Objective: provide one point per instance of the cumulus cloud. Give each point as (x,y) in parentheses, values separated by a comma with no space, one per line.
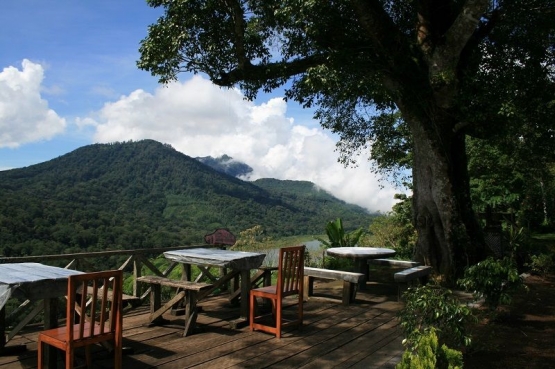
(24,115)
(200,119)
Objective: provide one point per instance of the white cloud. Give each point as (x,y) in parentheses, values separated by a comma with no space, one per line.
(200,119)
(24,115)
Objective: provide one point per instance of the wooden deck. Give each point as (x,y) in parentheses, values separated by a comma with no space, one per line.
(363,335)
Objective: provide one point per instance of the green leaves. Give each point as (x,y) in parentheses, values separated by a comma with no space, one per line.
(337,237)
(542,264)
(494,280)
(433,307)
(428,354)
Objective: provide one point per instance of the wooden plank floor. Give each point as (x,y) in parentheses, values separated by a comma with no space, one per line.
(363,335)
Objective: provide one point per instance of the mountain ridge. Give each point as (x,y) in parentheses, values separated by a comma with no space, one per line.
(146,194)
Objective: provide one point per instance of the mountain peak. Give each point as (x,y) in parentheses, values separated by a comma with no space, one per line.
(226,164)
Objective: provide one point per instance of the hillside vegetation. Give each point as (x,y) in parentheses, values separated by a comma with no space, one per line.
(146,194)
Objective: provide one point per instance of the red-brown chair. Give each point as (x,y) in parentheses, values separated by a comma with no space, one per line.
(289,283)
(94,315)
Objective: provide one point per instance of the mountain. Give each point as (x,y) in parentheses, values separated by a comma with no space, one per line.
(146,194)
(227,165)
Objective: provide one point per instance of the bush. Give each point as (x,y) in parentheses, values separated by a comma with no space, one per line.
(427,355)
(389,231)
(331,262)
(494,280)
(337,237)
(542,264)
(435,308)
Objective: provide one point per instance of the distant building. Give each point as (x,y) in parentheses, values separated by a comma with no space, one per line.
(220,236)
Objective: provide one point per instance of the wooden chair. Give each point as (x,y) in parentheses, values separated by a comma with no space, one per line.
(94,315)
(289,282)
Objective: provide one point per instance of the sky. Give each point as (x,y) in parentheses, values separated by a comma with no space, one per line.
(68,78)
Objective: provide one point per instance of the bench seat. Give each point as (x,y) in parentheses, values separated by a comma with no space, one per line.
(350,282)
(189,291)
(130,299)
(407,277)
(394,263)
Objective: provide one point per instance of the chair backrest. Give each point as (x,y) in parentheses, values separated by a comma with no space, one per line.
(290,270)
(94,305)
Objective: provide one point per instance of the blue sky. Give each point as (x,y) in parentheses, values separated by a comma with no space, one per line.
(68,78)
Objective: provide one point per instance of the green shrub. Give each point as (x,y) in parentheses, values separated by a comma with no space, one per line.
(433,307)
(494,280)
(542,264)
(395,229)
(337,237)
(428,355)
(331,262)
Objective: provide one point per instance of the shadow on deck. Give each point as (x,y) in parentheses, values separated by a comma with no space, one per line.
(363,335)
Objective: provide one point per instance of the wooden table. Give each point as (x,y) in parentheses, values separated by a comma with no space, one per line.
(360,256)
(240,264)
(32,281)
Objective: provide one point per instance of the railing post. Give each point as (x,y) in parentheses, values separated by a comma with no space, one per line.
(137,266)
(186,272)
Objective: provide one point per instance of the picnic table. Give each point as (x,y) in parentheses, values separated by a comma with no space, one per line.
(360,256)
(32,281)
(239,264)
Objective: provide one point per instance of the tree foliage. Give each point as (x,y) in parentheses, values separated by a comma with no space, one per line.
(410,79)
(394,230)
(509,176)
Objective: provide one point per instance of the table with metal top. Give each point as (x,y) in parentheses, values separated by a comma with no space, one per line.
(239,264)
(360,256)
(32,281)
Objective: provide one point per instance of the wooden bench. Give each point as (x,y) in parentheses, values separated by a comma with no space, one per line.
(350,282)
(407,277)
(186,290)
(126,299)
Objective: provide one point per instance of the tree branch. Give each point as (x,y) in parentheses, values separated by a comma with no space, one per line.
(263,72)
(423,27)
(237,14)
(464,26)
(380,30)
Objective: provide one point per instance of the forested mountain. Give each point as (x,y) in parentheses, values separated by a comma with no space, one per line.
(146,194)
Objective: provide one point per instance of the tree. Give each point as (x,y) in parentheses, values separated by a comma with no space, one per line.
(508,176)
(395,229)
(411,79)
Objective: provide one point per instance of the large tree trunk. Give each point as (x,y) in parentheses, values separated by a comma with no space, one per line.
(449,236)
(422,76)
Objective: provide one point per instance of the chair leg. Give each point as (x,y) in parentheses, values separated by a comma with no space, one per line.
(118,356)
(88,356)
(300,310)
(277,304)
(251,311)
(40,364)
(69,358)
(274,308)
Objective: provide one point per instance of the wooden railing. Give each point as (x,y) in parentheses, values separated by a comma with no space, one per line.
(135,260)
